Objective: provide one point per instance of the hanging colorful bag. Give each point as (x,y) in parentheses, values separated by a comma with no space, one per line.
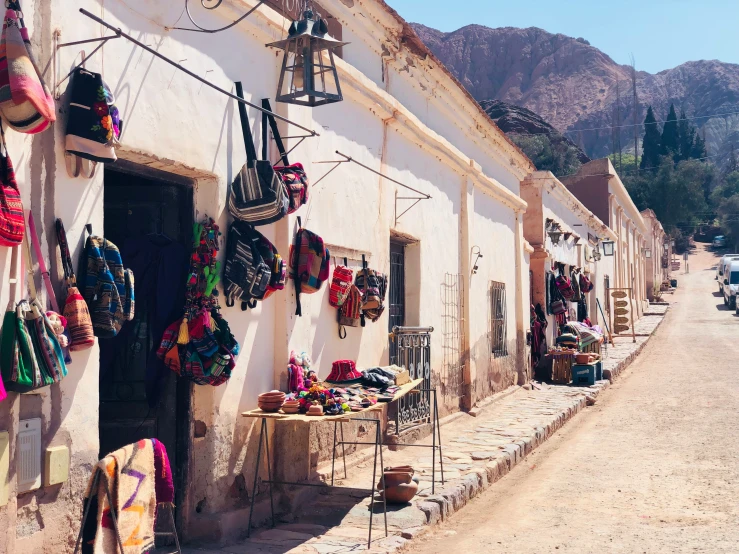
(309,264)
(25,102)
(558,307)
(350,313)
(585,284)
(292,176)
(12,224)
(565,287)
(341,282)
(257,195)
(93,124)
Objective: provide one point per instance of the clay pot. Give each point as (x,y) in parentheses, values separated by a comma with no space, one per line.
(582,358)
(291,407)
(271,401)
(401,494)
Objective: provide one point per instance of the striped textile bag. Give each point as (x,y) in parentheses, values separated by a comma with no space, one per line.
(25,102)
(12,222)
(79,324)
(309,264)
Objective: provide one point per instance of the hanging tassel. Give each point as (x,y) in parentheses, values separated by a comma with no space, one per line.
(184,335)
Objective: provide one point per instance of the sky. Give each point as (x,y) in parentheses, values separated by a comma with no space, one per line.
(661,34)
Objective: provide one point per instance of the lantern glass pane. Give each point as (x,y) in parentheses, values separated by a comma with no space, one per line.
(608,247)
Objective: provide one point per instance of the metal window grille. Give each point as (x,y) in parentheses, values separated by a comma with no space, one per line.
(396,301)
(413,347)
(452,381)
(498,310)
(607,283)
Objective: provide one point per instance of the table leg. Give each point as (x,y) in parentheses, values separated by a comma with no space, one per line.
(256,475)
(269,472)
(333,454)
(382,470)
(433,447)
(374,489)
(343,447)
(438,431)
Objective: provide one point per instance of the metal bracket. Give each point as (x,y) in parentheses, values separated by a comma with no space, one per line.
(337,163)
(199,29)
(120,34)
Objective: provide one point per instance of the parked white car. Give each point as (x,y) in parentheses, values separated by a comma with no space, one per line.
(731,284)
(723,262)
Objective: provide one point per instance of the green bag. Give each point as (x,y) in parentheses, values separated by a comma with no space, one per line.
(30,354)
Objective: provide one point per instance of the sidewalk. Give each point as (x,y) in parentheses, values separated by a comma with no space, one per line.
(478,450)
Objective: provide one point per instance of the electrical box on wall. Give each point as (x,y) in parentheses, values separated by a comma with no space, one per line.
(56,465)
(29,455)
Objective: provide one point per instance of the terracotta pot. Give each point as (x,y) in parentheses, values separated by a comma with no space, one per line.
(582,358)
(393,478)
(401,494)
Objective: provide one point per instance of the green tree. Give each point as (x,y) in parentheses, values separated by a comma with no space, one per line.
(728,210)
(686,138)
(652,140)
(670,143)
(699,148)
(676,192)
(560,157)
(728,187)
(733,164)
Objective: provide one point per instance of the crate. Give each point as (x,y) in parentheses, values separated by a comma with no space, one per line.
(583,375)
(561,367)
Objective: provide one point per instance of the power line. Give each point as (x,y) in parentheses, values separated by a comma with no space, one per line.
(655,123)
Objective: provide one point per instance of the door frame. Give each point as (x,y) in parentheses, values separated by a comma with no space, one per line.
(184,388)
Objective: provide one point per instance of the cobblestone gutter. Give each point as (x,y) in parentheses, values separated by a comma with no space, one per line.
(478,451)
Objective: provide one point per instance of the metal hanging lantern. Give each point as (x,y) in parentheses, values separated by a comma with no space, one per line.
(308,76)
(608,247)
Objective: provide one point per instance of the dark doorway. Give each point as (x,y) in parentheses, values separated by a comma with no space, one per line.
(142,206)
(396,300)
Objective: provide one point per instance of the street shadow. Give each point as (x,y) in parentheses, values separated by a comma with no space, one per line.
(722,307)
(717,294)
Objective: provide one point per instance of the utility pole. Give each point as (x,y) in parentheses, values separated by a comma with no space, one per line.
(636,114)
(618,126)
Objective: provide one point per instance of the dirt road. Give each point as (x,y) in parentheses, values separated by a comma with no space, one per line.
(652,467)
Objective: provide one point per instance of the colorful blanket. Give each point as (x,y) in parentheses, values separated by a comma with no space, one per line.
(128,475)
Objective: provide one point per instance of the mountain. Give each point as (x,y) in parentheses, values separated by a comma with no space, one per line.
(516,120)
(572,84)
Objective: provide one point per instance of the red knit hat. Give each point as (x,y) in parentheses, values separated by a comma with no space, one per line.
(343,371)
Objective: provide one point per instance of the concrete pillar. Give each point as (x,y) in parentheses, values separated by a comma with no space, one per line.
(465,231)
(522,317)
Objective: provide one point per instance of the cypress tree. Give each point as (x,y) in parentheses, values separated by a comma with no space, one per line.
(651,143)
(698,152)
(670,143)
(686,138)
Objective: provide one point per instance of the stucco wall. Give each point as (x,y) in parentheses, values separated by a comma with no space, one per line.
(187,128)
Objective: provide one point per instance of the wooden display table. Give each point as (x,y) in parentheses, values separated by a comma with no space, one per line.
(339,420)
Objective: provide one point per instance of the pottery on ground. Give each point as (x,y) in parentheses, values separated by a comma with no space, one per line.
(401,494)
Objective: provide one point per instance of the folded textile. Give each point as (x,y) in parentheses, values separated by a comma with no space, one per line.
(127,475)
(163,484)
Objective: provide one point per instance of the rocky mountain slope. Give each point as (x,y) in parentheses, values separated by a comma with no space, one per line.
(572,84)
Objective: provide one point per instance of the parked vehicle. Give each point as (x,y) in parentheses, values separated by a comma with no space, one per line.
(721,267)
(719,241)
(731,284)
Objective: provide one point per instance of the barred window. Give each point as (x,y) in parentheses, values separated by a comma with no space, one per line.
(498,319)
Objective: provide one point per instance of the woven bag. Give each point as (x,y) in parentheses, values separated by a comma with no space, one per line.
(12,223)
(79,324)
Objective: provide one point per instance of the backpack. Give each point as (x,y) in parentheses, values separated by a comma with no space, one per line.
(341,283)
(565,287)
(585,284)
(246,275)
(373,286)
(309,264)
(350,312)
(273,259)
(108,287)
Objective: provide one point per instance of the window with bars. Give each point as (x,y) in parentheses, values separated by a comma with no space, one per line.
(498,319)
